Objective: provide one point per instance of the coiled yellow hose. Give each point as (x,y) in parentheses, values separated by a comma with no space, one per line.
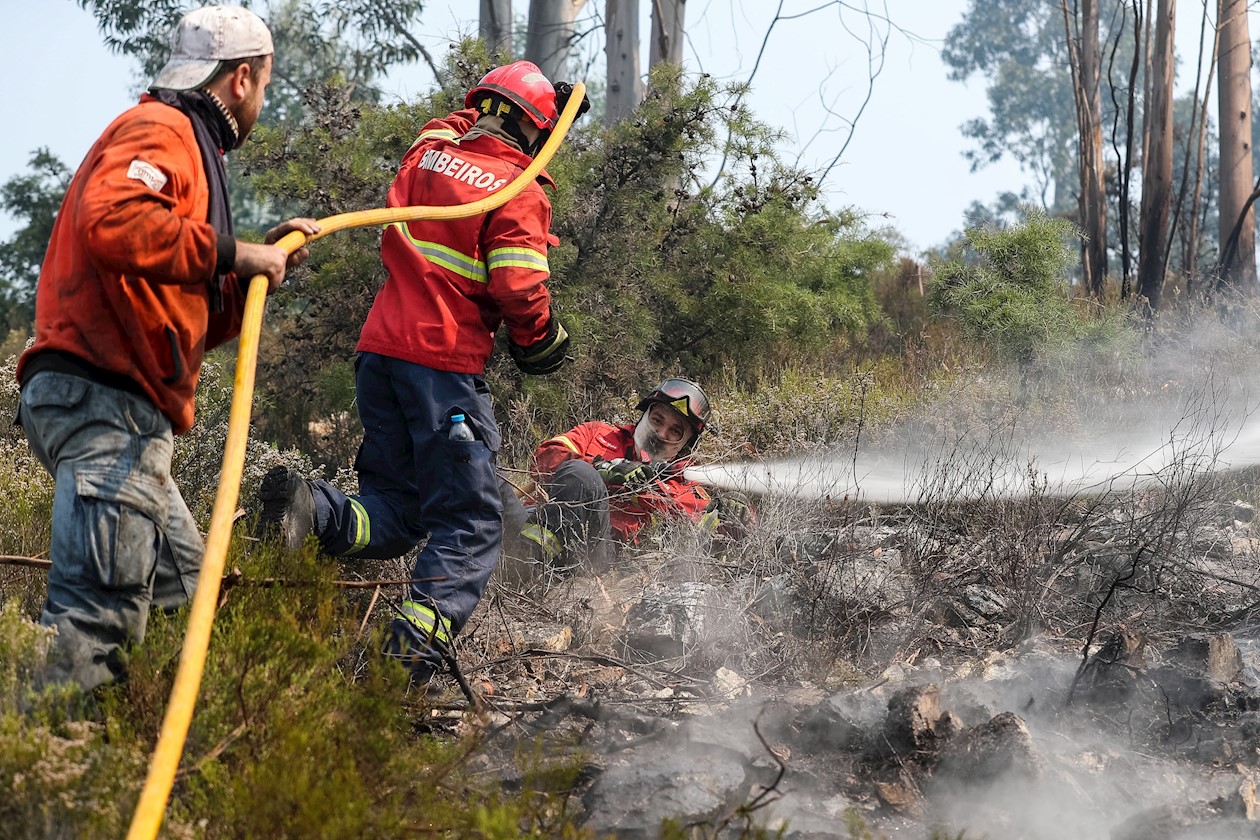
(179,710)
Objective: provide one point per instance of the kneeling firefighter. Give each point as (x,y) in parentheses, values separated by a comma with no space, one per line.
(602,484)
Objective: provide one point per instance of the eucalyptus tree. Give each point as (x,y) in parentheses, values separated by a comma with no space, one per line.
(550,34)
(1237,215)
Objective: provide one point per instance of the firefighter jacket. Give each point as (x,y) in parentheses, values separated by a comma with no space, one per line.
(452,283)
(670,495)
(125,282)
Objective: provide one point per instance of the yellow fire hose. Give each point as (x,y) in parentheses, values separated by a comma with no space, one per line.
(179,710)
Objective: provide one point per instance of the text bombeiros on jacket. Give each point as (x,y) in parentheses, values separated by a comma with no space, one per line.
(460,170)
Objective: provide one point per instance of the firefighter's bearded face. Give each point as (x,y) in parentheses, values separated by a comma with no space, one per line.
(662,432)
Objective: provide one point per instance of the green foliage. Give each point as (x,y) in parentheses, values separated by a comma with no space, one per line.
(1010,291)
(301,731)
(677,270)
(32,198)
(316,41)
(804,408)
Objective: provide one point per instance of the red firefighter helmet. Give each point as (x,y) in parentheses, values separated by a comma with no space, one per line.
(685,397)
(520,84)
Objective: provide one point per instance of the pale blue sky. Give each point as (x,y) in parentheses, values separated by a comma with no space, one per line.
(904,162)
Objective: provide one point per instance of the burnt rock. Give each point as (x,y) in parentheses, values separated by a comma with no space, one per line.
(1217,820)
(670,619)
(678,780)
(901,794)
(776,600)
(1187,691)
(1000,749)
(1111,673)
(841,722)
(1213,655)
(975,605)
(800,816)
(915,722)
(1241,513)
(1243,802)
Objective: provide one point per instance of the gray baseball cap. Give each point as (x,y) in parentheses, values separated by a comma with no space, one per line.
(207,37)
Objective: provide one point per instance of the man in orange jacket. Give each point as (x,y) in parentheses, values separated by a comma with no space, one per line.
(143,274)
(604,483)
(430,440)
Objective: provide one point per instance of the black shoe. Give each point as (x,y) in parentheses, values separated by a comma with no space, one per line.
(421,662)
(288,507)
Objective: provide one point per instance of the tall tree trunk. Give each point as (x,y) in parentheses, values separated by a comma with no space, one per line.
(667,32)
(1085,59)
(1126,170)
(551,34)
(1198,124)
(496,25)
(625,89)
(1238,220)
(1157,172)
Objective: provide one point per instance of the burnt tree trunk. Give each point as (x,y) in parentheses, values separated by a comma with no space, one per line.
(1085,59)
(1157,172)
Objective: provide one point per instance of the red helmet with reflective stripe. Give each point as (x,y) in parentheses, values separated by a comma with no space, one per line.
(685,397)
(522,84)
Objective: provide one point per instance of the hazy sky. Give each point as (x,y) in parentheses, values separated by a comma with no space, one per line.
(903,165)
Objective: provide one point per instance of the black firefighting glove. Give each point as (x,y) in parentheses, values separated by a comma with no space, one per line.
(623,474)
(563,91)
(545,355)
(729,515)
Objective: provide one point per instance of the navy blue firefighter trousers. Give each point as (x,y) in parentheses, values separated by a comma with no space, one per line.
(413,480)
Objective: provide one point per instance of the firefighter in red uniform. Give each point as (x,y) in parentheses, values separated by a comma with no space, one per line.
(604,483)
(427,461)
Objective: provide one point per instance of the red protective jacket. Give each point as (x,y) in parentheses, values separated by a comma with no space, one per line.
(670,495)
(451,283)
(124,285)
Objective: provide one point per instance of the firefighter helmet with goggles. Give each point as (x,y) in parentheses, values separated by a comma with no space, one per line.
(685,397)
(520,86)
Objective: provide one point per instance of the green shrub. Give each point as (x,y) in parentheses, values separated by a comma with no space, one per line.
(1010,292)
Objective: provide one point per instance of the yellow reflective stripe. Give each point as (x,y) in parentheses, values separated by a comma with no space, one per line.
(448,258)
(362,528)
(565,440)
(561,335)
(709,520)
(435,134)
(517,258)
(546,540)
(425,618)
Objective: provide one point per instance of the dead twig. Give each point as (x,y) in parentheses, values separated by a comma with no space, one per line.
(234,578)
(33,562)
(598,659)
(214,753)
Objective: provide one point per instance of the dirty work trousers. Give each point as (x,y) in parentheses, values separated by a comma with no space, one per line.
(414,480)
(122,538)
(571,527)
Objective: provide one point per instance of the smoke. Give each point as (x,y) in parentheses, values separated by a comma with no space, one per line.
(1205,430)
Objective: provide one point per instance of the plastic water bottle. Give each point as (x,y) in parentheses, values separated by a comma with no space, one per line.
(460,430)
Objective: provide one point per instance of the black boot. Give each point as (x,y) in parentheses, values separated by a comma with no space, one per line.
(287,507)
